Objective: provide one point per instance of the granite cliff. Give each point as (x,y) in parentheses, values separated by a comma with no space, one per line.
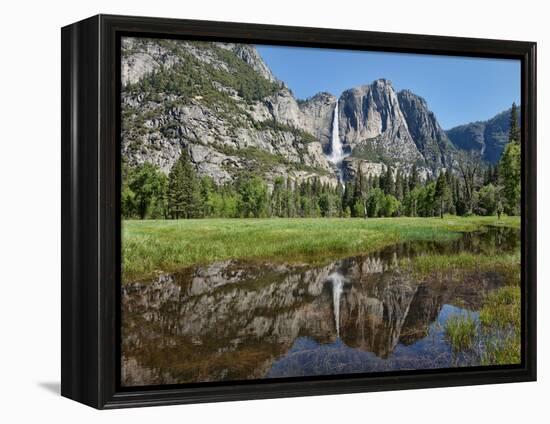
(222,103)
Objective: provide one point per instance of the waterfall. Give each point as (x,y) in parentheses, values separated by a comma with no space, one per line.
(337,289)
(337,152)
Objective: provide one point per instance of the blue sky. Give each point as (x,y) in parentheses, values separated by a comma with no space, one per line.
(458,89)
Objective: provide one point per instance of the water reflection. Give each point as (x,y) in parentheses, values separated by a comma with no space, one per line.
(232,320)
(337,280)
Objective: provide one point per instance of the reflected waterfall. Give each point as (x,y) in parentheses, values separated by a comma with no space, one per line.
(337,280)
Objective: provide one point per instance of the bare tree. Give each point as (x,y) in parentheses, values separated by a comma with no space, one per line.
(468,164)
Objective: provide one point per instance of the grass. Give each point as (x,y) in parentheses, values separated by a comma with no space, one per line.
(502,308)
(504,351)
(460,330)
(494,339)
(500,318)
(506,263)
(151,246)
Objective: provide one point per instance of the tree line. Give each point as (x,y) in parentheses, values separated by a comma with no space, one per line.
(472,188)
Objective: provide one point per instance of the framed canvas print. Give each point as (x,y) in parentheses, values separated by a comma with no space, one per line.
(253,211)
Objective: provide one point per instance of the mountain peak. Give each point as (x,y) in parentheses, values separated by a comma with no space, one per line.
(374,127)
(322,96)
(412,97)
(382,82)
(250,55)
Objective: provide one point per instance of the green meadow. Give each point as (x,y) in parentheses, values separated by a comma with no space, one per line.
(154,246)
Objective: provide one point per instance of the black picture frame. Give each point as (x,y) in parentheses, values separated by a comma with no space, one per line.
(91,215)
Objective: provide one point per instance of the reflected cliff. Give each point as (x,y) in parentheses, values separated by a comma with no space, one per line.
(234,320)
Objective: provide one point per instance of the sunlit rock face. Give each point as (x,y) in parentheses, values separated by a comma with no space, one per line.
(371,111)
(381,125)
(234,320)
(428,136)
(318,112)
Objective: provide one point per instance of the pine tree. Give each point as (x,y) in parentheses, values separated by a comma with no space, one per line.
(406,190)
(184,191)
(175,191)
(338,197)
(376,182)
(510,167)
(495,178)
(316,187)
(347,200)
(451,195)
(389,187)
(277,198)
(191,189)
(357,198)
(413,179)
(382,182)
(399,186)
(514,134)
(441,192)
(207,187)
(289,199)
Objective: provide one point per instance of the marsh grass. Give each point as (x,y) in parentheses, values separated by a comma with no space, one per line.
(460,331)
(506,263)
(505,351)
(502,308)
(154,246)
(494,338)
(500,320)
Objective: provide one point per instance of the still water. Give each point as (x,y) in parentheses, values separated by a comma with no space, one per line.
(236,320)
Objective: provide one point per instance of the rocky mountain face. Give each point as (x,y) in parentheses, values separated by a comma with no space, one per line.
(486,137)
(428,136)
(317,116)
(222,103)
(373,125)
(383,127)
